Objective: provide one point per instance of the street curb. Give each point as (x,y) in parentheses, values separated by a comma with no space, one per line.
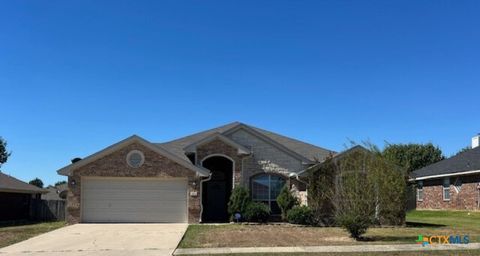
(343,248)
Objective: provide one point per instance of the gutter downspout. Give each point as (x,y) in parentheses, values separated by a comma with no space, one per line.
(201,194)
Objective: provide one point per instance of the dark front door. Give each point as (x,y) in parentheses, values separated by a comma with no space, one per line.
(216,191)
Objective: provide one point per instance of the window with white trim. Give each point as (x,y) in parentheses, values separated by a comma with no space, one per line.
(420,191)
(446,189)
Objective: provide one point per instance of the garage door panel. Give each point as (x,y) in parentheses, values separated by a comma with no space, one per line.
(135,205)
(112,195)
(134,200)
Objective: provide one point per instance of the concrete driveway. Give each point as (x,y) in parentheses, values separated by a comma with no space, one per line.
(102,239)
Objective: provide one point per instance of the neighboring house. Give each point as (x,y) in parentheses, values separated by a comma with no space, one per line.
(188,179)
(16,198)
(453,183)
(58,192)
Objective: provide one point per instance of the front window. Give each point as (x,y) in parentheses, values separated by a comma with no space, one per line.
(420,191)
(446,189)
(266,188)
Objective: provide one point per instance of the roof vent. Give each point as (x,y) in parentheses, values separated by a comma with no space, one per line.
(476,141)
(76,159)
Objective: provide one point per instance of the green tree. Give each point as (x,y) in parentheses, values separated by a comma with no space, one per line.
(239,201)
(465,149)
(412,156)
(36,182)
(60,183)
(286,201)
(4,154)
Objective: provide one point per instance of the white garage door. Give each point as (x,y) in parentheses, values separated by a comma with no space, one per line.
(134,200)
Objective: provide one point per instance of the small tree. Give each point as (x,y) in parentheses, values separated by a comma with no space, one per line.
(239,201)
(286,201)
(4,154)
(355,196)
(464,149)
(357,188)
(58,183)
(36,182)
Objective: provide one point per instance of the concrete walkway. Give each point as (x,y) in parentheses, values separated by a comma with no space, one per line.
(342,248)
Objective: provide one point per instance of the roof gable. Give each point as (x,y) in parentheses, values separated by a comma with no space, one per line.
(67,170)
(241,149)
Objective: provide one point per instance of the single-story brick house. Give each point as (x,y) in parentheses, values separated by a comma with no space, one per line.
(453,183)
(188,179)
(16,198)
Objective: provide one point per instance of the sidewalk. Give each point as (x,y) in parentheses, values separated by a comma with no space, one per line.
(343,248)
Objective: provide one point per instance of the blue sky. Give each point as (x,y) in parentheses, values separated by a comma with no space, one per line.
(77,76)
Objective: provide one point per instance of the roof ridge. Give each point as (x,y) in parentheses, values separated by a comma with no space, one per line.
(201,132)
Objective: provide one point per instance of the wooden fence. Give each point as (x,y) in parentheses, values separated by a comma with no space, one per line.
(411,197)
(47,210)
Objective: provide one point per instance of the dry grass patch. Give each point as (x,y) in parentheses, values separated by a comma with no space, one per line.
(419,223)
(233,235)
(14,234)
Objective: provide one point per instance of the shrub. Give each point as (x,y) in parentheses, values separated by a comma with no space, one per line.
(286,201)
(257,212)
(300,215)
(356,225)
(239,201)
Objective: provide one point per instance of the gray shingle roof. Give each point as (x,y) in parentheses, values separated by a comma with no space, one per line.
(466,161)
(11,184)
(306,150)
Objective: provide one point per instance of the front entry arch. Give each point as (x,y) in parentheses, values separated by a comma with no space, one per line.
(216,192)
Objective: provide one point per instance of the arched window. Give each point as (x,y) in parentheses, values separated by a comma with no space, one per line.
(265,188)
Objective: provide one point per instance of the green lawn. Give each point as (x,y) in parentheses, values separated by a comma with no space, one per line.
(14,234)
(418,223)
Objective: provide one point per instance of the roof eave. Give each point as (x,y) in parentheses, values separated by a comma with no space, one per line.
(23,191)
(444,175)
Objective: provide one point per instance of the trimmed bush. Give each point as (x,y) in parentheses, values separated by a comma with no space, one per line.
(257,212)
(300,215)
(239,200)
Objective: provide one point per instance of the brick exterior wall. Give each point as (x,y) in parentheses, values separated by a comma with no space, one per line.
(115,165)
(217,146)
(466,199)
